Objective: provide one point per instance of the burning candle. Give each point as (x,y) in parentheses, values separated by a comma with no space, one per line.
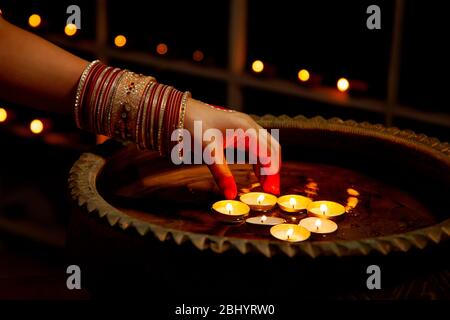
(230,210)
(326,209)
(259,201)
(293,203)
(290,232)
(264,221)
(318,225)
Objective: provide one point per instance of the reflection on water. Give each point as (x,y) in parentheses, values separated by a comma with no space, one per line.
(311,188)
(352,200)
(352,192)
(249,189)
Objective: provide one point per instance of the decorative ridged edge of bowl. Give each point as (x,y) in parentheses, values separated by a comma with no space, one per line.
(82,185)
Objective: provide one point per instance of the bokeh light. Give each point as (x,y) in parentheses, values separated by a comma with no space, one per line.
(303,75)
(162,48)
(257,66)
(34,20)
(343,85)
(36,126)
(120,41)
(198,55)
(3,115)
(70,29)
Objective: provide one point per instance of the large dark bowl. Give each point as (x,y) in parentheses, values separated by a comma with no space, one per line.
(146,223)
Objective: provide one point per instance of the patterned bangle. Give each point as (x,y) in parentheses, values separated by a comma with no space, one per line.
(120,103)
(81,83)
(183,107)
(108,127)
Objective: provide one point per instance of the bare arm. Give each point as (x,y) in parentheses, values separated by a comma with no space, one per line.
(36,73)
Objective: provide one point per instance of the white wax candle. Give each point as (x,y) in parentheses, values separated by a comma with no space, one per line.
(259,201)
(293,203)
(326,209)
(265,221)
(290,232)
(319,225)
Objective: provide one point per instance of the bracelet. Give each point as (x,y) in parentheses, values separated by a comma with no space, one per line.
(122,104)
(79,90)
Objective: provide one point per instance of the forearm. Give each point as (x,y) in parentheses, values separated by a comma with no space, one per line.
(36,73)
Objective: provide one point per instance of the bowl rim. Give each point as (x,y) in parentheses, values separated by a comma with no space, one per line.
(83,176)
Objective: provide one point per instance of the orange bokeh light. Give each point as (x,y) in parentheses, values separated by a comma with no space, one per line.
(198,55)
(303,75)
(34,20)
(120,40)
(70,29)
(162,48)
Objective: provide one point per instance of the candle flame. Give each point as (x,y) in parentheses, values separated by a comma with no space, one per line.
(260,199)
(263,218)
(229,208)
(323,209)
(289,233)
(318,224)
(292,202)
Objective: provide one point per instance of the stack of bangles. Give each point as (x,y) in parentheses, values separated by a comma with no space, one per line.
(122,104)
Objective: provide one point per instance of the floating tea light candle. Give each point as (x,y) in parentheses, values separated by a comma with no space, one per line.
(318,225)
(326,209)
(290,232)
(259,201)
(230,210)
(264,221)
(293,203)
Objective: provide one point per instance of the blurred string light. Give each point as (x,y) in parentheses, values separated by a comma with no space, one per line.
(120,40)
(343,85)
(198,55)
(162,49)
(34,20)
(257,66)
(36,126)
(70,29)
(3,115)
(303,75)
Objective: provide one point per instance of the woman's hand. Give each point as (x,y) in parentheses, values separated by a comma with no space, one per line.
(267,151)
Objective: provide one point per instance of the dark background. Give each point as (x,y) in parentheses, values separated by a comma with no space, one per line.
(328,38)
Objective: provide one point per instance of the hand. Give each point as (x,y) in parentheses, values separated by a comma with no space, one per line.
(268,151)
